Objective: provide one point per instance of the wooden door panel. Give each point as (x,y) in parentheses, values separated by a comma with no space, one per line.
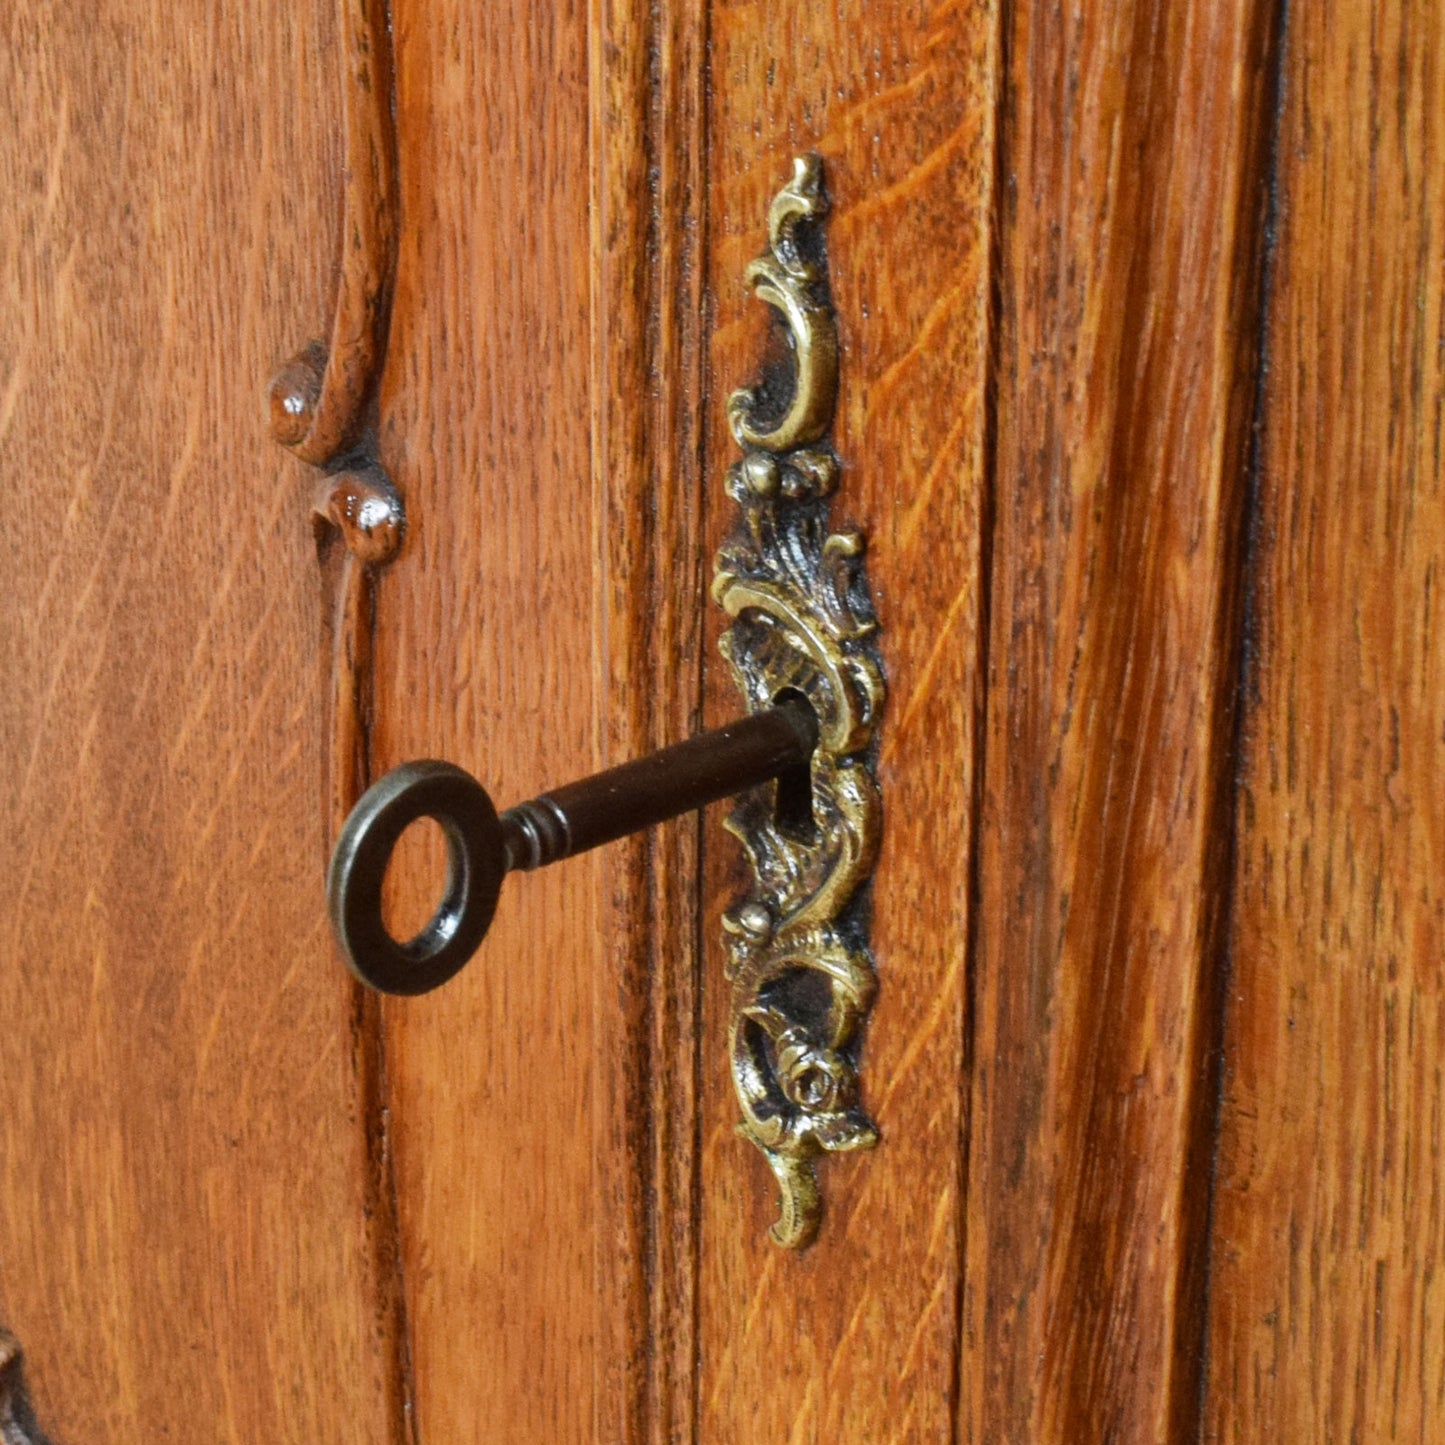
(486,655)
(1325,1318)
(186,1195)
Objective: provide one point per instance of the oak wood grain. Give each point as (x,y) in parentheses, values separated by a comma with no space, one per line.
(185,1248)
(485,655)
(649,233)
(856,1338)
(539,412)
(1132,142)
(223,1170)
(1327,1321)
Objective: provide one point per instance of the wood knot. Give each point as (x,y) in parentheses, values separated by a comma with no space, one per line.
(362,504)
(294,393)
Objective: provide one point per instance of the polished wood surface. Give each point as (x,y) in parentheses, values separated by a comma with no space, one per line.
(1326,1319)
(186,1188)
(484,655)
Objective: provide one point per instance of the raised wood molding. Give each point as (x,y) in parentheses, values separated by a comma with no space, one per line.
(1133,141)
(648,410)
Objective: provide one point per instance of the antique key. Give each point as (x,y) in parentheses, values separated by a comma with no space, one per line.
(483,848)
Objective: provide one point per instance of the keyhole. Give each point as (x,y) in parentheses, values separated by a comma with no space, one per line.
(793,791)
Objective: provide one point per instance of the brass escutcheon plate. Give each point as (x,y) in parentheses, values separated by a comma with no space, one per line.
(801,972)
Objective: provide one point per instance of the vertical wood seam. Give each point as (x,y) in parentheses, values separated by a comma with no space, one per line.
(383,1194)
(340,409)
(701,200)
(674,142)
(651,916)
(347,777)
(1204,1065)
(988,490)
(644,112)
(383,1208)
(1276,50)
(597,370)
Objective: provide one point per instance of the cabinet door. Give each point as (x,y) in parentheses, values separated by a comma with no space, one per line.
(1139,314)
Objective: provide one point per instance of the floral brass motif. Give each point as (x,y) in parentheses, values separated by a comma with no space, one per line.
(803,622)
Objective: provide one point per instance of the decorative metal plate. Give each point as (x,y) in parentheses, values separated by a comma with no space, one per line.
(17,1422)
(803,623)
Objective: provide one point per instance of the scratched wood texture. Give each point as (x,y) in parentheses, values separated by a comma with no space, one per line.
(1132,139)
(1327,1321)
(856,1339)
(185,1188)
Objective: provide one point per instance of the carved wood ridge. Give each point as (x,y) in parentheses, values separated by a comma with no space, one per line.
(320,400)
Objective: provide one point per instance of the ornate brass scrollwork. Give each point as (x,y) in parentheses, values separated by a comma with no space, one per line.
(803,624)
(17,1420)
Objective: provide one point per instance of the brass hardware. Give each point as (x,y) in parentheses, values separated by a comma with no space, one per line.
(789,278)
(17,1420)
(803,624)
(775,743)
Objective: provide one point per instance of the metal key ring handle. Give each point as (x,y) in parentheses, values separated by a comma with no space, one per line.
(482,848)
(477,862)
